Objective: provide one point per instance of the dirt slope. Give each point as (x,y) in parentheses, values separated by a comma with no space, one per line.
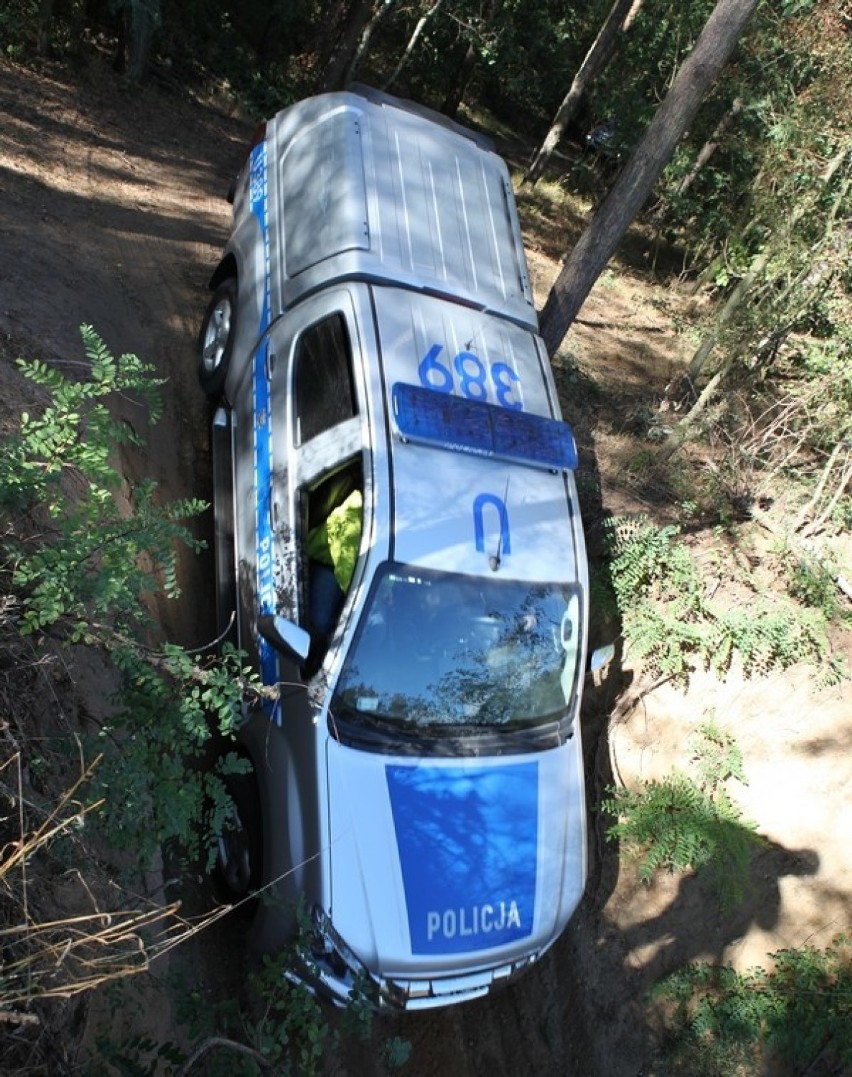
(112,213)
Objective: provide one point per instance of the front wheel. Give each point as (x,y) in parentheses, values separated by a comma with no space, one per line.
(216,339)
(238,862)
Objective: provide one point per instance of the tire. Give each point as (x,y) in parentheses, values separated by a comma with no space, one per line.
(238,868)
(216,339)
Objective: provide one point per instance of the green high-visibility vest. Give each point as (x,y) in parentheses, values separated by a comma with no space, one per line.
(336,541)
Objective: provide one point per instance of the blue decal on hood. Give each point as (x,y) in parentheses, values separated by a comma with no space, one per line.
(468,843)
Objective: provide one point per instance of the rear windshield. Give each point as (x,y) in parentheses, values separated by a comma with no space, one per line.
(443,652)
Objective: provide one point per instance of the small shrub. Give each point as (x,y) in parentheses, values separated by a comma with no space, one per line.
(671,624)
(77,557)
(682,822)
(77,565)
(277,1027)
(812,583)
(767,636)
(724,1022)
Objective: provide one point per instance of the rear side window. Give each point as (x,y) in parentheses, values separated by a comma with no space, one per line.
(323,384)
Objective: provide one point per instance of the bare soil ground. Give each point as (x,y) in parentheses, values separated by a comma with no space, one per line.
(112,213)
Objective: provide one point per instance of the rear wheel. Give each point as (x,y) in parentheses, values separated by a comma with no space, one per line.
(239,846)
(216,339)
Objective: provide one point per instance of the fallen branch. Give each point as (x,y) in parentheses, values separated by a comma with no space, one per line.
(216,1042)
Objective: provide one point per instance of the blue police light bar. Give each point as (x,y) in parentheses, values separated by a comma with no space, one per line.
(430,417)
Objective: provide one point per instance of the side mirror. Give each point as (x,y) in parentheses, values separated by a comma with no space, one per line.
(284,636)
(601,657)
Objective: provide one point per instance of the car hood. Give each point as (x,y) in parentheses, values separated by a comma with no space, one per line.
(444,865)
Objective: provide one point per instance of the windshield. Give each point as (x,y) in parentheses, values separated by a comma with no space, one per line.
(439,650)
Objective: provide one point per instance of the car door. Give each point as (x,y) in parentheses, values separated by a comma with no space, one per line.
(319,449)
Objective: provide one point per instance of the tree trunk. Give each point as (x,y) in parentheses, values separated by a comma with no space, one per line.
(732,305)
(455,95)
(143,23)
(412,41)
(463,76)
(364,43)
(630,191)
(711,145)
(45,16)
(355,20)
(596,59)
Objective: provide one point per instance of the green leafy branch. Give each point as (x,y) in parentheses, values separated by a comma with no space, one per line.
(78,562)
(82,555)
(670,622)
(279,1027)
(725,1022)
(684,822)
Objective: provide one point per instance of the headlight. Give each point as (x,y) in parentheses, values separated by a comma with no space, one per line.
(328,946)
(332,960)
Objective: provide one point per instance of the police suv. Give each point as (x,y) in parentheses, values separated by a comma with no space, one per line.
(417,781)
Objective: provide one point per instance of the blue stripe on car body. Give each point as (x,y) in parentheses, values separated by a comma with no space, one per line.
(261,400)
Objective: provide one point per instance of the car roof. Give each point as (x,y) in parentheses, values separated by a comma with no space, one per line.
(371,189)
(480,470)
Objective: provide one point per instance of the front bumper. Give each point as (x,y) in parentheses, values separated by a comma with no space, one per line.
(331,970)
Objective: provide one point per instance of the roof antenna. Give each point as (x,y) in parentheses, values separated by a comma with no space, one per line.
(495,560)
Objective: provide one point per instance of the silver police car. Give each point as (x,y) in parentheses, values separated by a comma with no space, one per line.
(400,552)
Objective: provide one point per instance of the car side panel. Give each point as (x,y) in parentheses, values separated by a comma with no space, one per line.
(248,248)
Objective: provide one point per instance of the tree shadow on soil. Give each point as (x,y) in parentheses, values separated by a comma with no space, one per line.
(695,926)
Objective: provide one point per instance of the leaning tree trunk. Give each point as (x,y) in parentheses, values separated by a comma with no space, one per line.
(631,189)
(711,145)
(759,263)
(813,279)
(596,59)
(355,19)
(704,155)
(364,43)
(412,41)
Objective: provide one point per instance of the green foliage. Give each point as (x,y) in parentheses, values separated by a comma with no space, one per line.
(291,1031)
(85,555)
(80,554)
(723,1022)
(769,635)
(155,786)
(716,756)
(276,1026)
(291,1028)
(683,822)
(648,559)
(14,24)
(137,1056)
(671,624)
(658,591)
(775,230)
